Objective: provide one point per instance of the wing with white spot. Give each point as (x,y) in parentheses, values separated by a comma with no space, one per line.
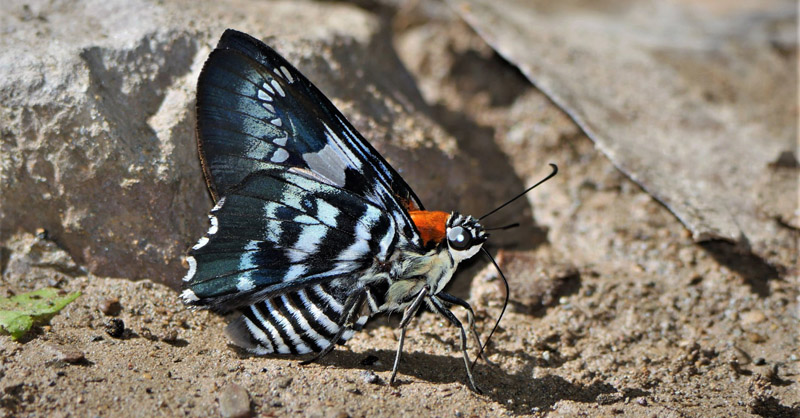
(280,231)
(254,109)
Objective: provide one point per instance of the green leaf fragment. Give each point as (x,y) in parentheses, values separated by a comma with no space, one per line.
(19,313)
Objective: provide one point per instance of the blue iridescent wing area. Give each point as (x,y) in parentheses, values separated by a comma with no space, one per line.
(282,230)
(255,109)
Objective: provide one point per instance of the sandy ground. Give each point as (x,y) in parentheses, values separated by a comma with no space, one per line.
(614,311)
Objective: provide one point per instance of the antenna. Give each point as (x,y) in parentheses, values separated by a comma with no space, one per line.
(502,276)
(555,170)
(502,228)
(505,303)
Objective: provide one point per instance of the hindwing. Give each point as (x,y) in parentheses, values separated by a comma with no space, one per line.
(298,322)
(281,230)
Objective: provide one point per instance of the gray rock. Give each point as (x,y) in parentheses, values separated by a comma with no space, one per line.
(36,262)
(696,104)
(283,382)
(66,353)
(87,151)
(234,402)
(368,376)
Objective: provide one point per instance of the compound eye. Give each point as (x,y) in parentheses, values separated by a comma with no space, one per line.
(459,238)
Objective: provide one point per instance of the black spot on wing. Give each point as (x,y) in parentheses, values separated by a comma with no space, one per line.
(378,231)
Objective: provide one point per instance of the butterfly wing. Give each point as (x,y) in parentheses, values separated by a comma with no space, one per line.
(254,109)
(305,206)
(281,230)
(286,250)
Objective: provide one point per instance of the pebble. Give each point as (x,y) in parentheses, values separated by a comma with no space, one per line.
(283,382)
(169,336)
(110,307)
(41,233)
(741,356)
(147,334)
(370,377)
(234,402)
(753,317)
(115,328)
(755,338)
(66,353)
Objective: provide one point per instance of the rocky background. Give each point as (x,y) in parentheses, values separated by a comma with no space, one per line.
(656,275)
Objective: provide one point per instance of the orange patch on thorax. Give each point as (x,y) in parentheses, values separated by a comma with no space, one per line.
(432,225)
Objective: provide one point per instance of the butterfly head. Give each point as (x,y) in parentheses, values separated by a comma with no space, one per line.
(464,236)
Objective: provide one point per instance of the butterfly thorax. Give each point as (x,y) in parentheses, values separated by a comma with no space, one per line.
(448,239)
(432,226)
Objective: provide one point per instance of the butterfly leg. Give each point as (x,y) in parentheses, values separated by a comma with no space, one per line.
(437,303)
(352,306)
(407,316)
(470,318)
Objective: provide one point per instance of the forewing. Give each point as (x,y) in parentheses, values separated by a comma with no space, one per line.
(254,109)
(279,231)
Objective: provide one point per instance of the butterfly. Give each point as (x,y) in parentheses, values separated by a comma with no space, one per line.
(313,231)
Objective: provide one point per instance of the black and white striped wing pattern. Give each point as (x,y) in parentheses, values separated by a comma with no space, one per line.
(304,205)
(286,250)
(298,322)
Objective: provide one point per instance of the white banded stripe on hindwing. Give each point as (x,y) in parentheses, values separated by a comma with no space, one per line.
(298,322)
(255,328)
(300,316)
(289,330)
